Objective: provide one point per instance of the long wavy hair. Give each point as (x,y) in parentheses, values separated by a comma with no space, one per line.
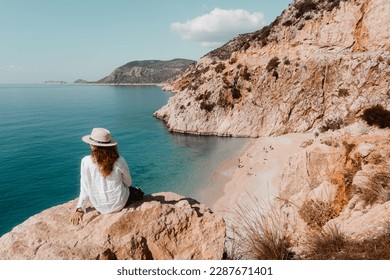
(105,157)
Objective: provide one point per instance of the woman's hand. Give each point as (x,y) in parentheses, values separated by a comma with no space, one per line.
(77,217)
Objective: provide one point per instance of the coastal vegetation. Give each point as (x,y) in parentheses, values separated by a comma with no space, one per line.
(261,233)
(333,245)
(257,233)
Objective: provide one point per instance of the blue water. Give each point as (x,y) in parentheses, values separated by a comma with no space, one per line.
(40,148)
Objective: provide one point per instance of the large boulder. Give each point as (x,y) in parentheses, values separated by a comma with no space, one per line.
(162,226)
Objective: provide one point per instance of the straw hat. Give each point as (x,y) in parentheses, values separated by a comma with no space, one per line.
(99,137)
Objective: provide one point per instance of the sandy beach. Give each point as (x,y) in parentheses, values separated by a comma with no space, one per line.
(252,173)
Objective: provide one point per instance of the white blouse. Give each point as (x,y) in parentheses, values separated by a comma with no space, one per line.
(107,194)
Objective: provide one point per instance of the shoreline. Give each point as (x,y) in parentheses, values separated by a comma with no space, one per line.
(223,173)
(252,174)
(122,84)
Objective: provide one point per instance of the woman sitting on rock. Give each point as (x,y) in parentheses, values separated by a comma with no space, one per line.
(105,176)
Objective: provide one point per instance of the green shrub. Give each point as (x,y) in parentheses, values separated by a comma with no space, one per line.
(287,23)
(223,101)
(233,60)
(378,116)
(305,7)
(273,64)
(207,106)
(343,92)
(245,74)
(220,67)
(236,94)
(262,35)
(331,4)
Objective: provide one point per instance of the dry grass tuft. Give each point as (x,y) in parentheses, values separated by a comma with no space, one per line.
(377,189)
(259,234)
(326,244)
(333,245)
(316,213)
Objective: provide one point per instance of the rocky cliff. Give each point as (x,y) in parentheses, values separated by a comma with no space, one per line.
(319,63)
(161,226)
(339,185)
(147,72)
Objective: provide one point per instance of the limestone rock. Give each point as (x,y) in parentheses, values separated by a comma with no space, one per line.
(162,226)
(319,64)
(342,180)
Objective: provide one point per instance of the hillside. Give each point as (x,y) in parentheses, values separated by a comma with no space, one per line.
(319,65)
(146,72)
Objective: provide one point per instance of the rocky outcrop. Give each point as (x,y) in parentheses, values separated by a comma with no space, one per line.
(162,226)
(146,72)
(341,181)
(318,63)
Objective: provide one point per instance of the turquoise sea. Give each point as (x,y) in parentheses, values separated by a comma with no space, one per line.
(40,148)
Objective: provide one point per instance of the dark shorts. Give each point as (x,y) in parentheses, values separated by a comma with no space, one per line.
(135,194)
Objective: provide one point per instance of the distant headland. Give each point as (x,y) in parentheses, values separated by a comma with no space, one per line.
(144,72)
(55,82)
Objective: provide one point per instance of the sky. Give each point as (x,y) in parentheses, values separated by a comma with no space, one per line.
(66,40)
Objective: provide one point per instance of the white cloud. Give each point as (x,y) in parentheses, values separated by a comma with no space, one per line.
(218,26)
